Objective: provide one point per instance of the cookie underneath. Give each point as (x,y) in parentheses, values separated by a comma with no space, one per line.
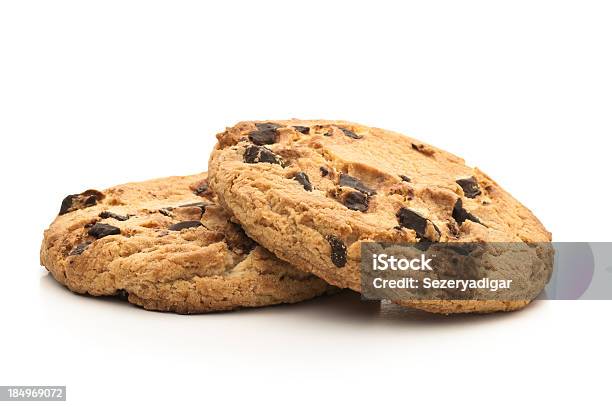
(166,245)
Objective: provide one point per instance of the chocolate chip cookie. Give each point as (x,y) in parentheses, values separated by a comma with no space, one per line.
(312,191)
(166,245)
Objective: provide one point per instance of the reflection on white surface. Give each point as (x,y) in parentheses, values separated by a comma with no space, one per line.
(325,346)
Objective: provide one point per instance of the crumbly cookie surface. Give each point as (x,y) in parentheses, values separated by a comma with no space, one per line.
(312,191)
(166,245)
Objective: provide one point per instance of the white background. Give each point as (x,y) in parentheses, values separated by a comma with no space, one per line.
(94,94)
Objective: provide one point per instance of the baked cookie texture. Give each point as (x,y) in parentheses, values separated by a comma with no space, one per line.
(312,191)
(166,245)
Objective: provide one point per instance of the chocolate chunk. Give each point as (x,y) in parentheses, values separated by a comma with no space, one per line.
(350,133)
(78,249)
(338,251)
(80,201)
(265,134)
(348,181)
(267,126)
(66,204)
(262,137)
(185,225)
(302,129)
(470,187)
(122,294)
(412,220)
(107,214)
(91,200)
(302,178)
(405,178)
(356,201)
(201,189)
(461,215)
(257,154)
(100,230)
(165,211)
(324,171)
(327,134)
